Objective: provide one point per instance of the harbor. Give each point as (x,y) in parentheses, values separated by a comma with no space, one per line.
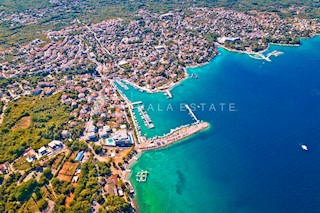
(122,85)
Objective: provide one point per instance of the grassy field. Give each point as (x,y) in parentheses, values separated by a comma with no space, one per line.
(23,123)
(22,164)
(31,121)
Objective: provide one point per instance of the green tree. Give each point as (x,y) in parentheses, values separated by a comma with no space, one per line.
(24,191)
(42,204)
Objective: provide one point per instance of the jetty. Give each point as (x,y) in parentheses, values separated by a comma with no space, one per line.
(175,135)
(142,176)
(168,93)
(192,114)
(260,56)
(136,103)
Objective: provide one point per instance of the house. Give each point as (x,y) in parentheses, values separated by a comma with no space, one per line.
(78,172)
(115,178)
(122,138)
(47,91)
(30,157)
(100,123)
(65,134)
(120,192)
(92,128)
(42,151)
(30,154)
(74,104)
(45,84)
(104,132)
(75,179)
(4,169)
(55,145)
(65,99)
(111,188)
(36,91)
(223,40)
(91,136)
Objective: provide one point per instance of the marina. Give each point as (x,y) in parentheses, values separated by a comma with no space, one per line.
(122,85)
(145,117)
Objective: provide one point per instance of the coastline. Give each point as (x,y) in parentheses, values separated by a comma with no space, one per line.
(267,48)
(141,151)
(171,85)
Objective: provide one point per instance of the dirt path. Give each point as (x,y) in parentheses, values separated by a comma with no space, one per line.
(2,114)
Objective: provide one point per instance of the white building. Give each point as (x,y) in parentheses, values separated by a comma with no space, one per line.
(55,145)
(122,138)
(104,132)
(42,152)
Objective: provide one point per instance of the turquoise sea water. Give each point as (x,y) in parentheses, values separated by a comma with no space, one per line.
(250,160)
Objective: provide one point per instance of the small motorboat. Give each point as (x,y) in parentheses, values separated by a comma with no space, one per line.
(304,147)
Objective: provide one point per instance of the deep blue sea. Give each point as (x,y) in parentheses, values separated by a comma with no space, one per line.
(250,160)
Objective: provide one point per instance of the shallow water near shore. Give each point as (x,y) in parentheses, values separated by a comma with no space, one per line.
(250,160)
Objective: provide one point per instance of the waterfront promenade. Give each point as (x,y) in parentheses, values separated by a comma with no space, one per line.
(172,137)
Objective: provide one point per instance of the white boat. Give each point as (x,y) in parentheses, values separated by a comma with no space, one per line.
(304,147)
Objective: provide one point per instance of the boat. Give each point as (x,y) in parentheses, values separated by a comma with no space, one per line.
(304,147)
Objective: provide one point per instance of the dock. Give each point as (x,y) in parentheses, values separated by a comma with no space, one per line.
(136,103)
(168,93)
(195,76)
(145,117)
(142,176)
(122,85)
(192,114)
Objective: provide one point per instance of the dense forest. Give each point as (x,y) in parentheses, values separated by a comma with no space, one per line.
(31,121)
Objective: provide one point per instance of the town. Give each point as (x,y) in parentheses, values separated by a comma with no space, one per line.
(77,133)
(154,50)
